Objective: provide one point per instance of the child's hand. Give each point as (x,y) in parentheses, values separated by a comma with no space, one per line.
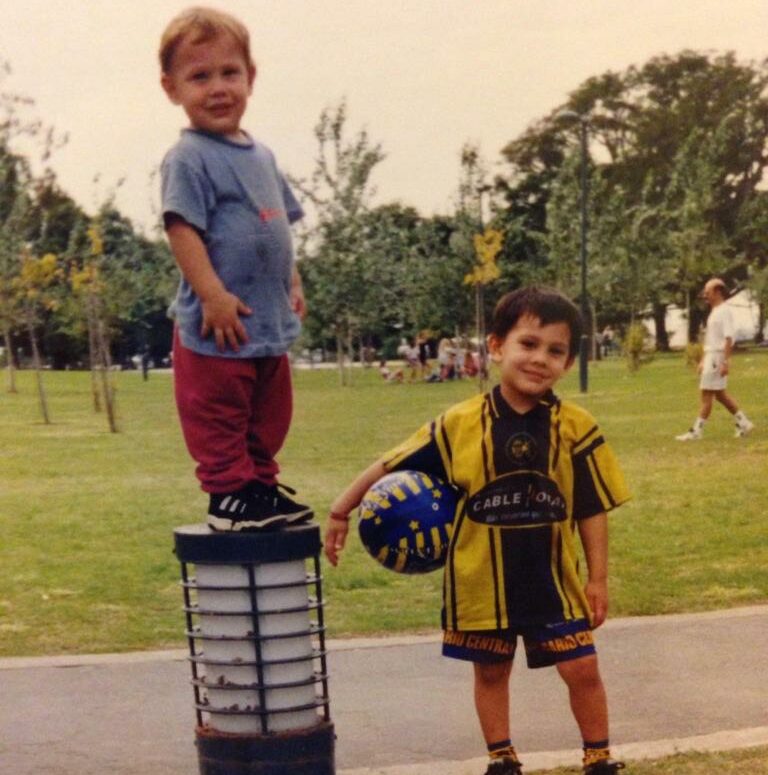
(298,302)
(597,597)
(338,519)
(335,536)
(296,296)
(221,315)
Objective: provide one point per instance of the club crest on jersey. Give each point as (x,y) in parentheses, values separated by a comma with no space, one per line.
(521,449)
(524,499)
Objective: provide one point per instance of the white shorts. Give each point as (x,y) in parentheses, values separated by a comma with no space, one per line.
(711,379)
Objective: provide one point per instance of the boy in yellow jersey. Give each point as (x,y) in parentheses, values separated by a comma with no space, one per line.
(534,472)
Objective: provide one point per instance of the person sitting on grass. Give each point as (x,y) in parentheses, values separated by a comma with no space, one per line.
(388,374)
(534,472)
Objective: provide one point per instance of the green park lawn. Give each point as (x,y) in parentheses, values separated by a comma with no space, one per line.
(751,760)
(87,517)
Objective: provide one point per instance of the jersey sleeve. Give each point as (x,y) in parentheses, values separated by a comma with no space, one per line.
(424,451)
(598,482)
(186,192)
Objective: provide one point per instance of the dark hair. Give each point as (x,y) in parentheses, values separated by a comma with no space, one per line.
(546,304)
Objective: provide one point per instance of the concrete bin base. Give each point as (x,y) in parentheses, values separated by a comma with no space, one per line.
(301,752)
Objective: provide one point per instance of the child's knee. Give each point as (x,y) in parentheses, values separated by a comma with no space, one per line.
(581,672)
(491,673)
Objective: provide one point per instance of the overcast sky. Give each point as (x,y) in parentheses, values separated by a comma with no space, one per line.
(422,76)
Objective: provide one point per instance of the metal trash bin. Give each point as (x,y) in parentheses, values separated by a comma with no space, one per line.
(254,613)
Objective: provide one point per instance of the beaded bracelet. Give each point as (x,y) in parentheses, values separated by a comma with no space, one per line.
(339,517)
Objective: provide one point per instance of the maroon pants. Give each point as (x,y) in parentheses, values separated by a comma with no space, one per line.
(235,414)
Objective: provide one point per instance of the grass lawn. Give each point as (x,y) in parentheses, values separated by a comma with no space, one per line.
(87,516)
(751,760)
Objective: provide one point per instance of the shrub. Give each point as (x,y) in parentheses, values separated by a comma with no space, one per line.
(637,346)
(693,354)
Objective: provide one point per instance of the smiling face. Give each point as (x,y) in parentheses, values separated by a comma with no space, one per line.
(531,359)
(211,80)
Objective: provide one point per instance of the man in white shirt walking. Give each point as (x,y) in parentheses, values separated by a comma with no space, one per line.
(714,366)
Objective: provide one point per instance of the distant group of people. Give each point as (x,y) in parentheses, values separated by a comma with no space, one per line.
(455,360)
(606,342)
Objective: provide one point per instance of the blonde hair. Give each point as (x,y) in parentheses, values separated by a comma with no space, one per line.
(201,25)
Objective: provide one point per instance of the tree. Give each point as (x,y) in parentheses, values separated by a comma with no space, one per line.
(752,229)
(487,246)
(38,218)
(118,282)
(434,295)
(13,205)
(142,278)
(388,249)
(534,161)
(562,237)
(90,289)
(334,262)
(680,144)
(697,240)
(480,245)
(33,291)
(15,184)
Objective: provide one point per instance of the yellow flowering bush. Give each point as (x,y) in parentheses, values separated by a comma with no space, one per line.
(487,247)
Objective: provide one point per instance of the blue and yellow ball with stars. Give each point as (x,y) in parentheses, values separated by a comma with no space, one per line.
(406,521)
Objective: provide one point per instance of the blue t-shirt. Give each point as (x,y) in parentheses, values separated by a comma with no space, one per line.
(242,206)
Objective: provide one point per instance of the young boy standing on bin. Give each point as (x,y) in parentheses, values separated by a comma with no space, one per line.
(533,471)
(227,212)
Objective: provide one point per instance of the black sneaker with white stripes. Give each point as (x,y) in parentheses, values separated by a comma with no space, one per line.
(604,767)
(256,507)
(504,765)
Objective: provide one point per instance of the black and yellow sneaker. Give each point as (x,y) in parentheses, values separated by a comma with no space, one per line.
(256,507)
(603,767)
(504,765)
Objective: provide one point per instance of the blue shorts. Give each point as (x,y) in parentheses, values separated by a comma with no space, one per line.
(545,644)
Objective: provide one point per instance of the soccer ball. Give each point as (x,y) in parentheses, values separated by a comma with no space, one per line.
(406,521)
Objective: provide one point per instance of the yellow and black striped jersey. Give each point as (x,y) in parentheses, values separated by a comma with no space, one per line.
(525,480)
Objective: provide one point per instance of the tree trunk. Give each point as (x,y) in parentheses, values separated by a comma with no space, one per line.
(38,364)
(591,339)
(695,319)
(108,390)
(760,323)
(11,367)
(340,358)
(93,358)
(660,321)
(350,355)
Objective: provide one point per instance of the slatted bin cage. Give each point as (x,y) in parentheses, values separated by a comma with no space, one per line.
(254,614)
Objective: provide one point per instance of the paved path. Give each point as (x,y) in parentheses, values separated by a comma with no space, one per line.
(674,682)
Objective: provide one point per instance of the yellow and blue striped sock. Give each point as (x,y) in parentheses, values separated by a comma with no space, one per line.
(596,751)
(502,748)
